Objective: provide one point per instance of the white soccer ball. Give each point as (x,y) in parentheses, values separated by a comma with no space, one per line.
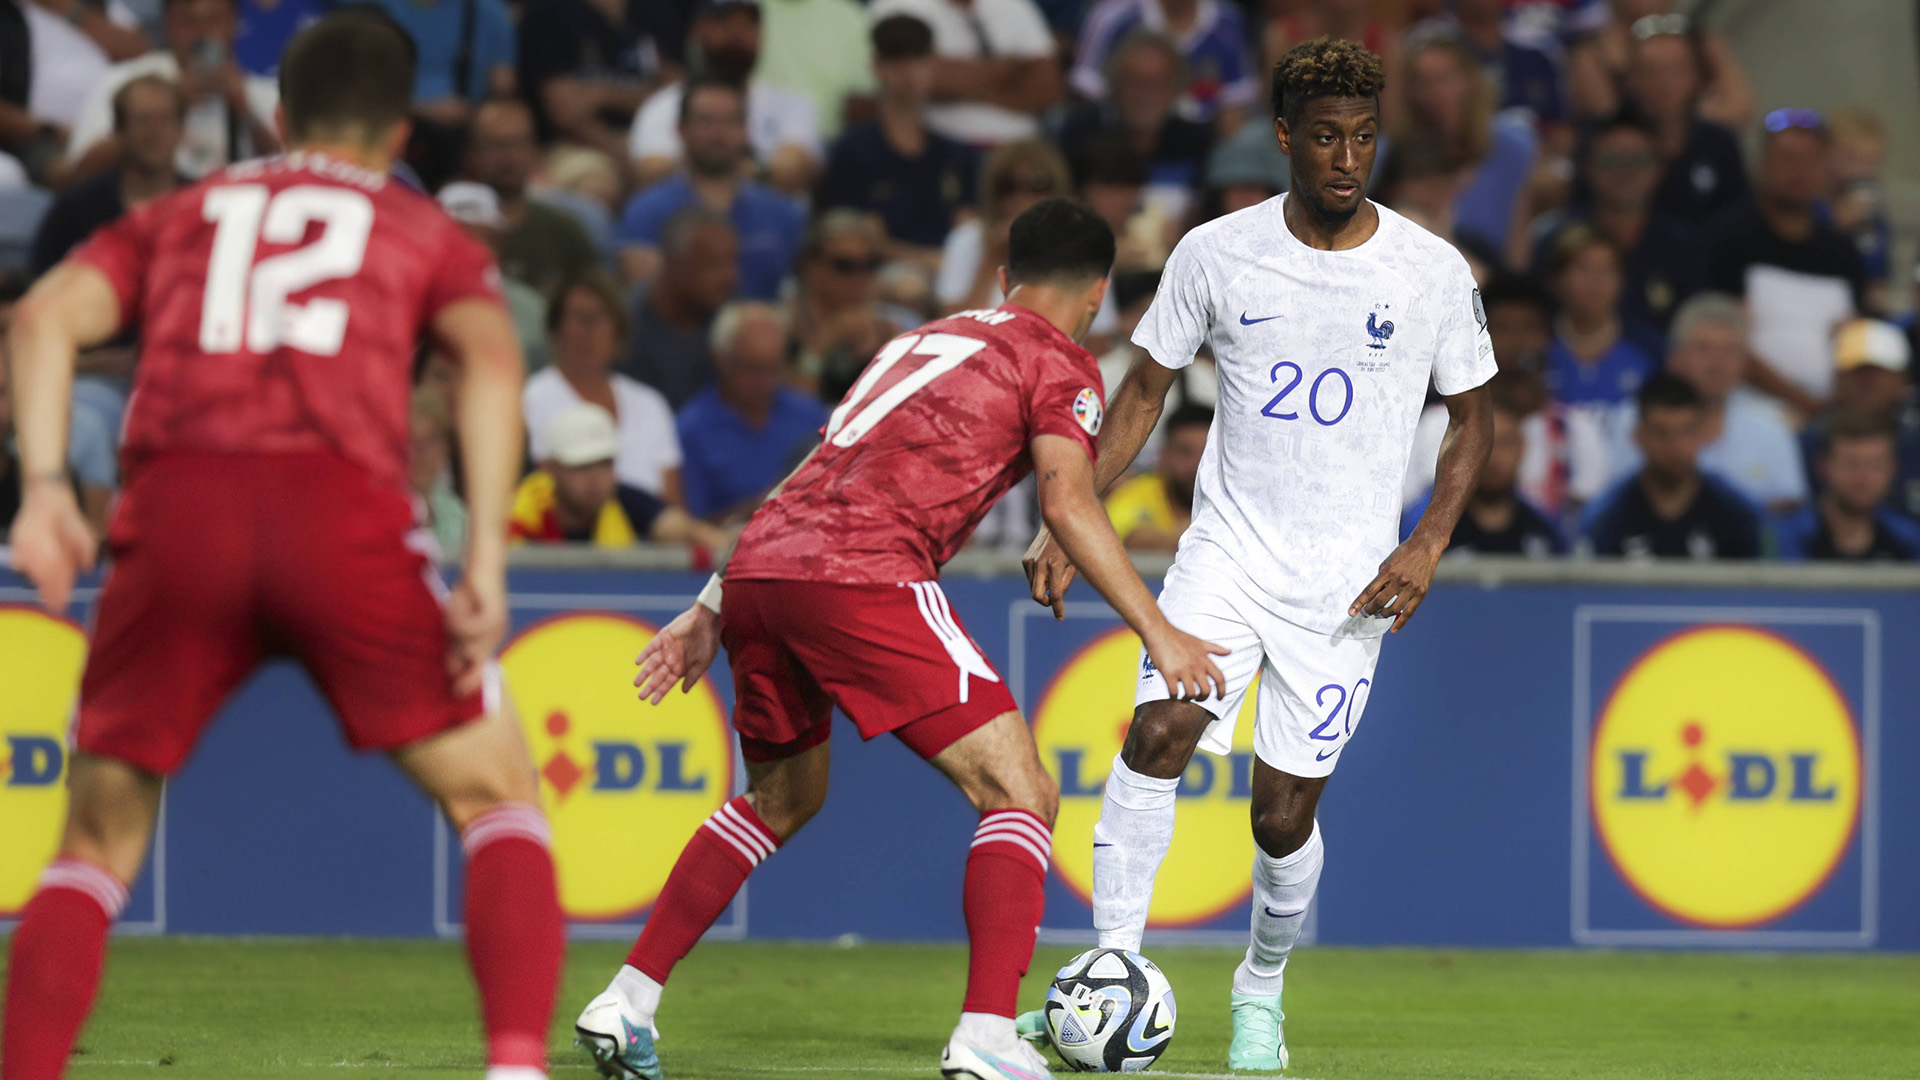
(1110,1011)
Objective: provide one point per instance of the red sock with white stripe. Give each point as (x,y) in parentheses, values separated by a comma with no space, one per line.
(515,935)
(58,952)
(710,870)
(1004,898)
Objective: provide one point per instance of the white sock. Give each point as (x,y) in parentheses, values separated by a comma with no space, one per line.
(985,1030)
(515,1072)
(640,994)
(1282,889)
(1133,835)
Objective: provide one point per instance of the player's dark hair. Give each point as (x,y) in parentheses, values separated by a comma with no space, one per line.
(1190,415)
(351,73)
(1324,68)
(1665,391)
(709,82)
(1059,240)
(1848,425)
(902,37)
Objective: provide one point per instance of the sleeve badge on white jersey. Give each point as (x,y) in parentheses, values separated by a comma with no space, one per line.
(1087,411)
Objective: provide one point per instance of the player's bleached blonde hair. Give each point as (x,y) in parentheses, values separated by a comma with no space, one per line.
(1324,67)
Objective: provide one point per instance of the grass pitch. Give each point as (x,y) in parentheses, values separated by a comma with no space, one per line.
(185,1009)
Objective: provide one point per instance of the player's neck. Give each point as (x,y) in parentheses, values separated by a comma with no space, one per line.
(1062,310)
(373,159)
(1330,234)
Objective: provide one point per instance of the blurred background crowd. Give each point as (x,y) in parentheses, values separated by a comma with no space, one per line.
(711,213)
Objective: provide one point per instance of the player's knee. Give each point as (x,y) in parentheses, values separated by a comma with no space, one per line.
(785,811)
(488,789)
(1022,785)
(1160,741)
(1282,829)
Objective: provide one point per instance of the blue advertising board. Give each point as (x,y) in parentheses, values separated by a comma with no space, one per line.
(1632,766)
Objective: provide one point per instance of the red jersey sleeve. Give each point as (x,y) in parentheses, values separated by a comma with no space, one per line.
(123,251)
(1065,399)
(466,271)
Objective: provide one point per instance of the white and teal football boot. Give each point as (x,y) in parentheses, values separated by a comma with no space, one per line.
(621,1049)
(1015,1061)
(1259,1042)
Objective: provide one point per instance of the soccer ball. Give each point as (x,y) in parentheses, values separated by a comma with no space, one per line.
(1110,1011)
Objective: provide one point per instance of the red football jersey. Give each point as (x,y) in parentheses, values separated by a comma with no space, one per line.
(936,429)
(280,303)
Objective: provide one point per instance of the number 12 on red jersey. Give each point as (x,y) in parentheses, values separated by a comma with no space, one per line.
(246,302)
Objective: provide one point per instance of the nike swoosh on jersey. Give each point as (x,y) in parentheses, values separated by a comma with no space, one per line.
(1244,321)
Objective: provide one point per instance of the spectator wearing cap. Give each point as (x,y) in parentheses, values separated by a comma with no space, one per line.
(1217,82)
(770,227)
(430,473)
(1522,66)
(1598,64)
(917,181)
(588,65)
(466,54)
(1595,359)
(1245,169)
(1146,72)
(1665,258)
(1014,177)
(575,497)
(1745,441)
(996,68)
(1449,93)
(1702,170)
(1871,361)
(539,245)
(835,320)
(477,208)
(673,317)
(229,113)
(1670,508)
(1799,276)
(52,54)
(589,327)
(743,433)
(1151,511)
(782,132)
(1851,520)
(265,28)
(1498,520)
(820,50)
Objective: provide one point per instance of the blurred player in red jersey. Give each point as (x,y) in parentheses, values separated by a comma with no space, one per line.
(831,599)
(266,512)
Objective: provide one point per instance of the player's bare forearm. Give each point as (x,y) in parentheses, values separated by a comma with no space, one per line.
(479,335)
(72,308)
(1132,413)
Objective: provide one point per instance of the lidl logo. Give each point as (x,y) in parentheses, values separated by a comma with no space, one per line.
(1725,777)
(1080,723)
(40,661)
(624,783)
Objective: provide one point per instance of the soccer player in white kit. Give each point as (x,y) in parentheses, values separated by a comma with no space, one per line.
(1327,316)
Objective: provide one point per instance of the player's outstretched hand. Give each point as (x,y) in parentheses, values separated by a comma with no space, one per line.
(52,543)
(1402,583)
(680,653)
(1186,664)
(1048,573)
(476,624)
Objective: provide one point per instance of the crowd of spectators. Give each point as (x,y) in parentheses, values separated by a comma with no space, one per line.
(711,213)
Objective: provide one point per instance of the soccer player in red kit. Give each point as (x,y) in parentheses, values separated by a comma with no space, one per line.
(265,511)
(831,599)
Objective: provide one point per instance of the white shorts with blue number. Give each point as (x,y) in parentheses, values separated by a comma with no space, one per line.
(1313,686)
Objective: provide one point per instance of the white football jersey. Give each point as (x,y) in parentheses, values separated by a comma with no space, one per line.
(1324,359)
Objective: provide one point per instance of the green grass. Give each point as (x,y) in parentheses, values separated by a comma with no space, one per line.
(274,1009)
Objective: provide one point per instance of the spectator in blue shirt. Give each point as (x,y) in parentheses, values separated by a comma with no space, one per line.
(1221,81)
(1670,508)
(1851,520)
(741,435)
(713,130)
(1592,359)
(466,53)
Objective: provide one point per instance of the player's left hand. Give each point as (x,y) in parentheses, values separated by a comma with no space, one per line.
(52,543)
(680,653)
(1049,573)
(1402,583)
(476,624)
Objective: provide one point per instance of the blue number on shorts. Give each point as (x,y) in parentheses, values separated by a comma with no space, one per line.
(1320,698)
(1368,683)
(1274,376)
(1313,394)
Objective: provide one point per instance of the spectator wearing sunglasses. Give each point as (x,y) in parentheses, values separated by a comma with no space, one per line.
(1704,172)
(916,180)
(835,321)
(1800,277)
(1598,63)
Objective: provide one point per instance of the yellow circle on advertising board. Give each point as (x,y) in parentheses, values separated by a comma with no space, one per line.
(1079,726)
(624,783)
(1725,776)
(41,657)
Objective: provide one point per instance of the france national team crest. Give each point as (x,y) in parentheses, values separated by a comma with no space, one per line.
(1379,330)
(1087,410)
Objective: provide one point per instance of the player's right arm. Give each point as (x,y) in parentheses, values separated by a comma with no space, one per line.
(75,306)
(1065,480)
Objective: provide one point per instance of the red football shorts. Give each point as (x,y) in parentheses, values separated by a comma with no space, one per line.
(893,657)
(219,561)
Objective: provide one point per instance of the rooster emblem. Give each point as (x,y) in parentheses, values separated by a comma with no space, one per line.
(1379,331)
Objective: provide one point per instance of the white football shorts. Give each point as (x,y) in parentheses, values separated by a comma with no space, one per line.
(1313,686)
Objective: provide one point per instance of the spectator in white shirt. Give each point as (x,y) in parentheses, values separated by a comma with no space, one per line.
(588,325)
(1746,439)
(782,130)
(52,52)
(229,113)
(997,69)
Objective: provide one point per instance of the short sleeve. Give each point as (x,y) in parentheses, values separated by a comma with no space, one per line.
(653,132)
(466,271)
(1065,399)
(1175,325)
(1463,350)
(122,251)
